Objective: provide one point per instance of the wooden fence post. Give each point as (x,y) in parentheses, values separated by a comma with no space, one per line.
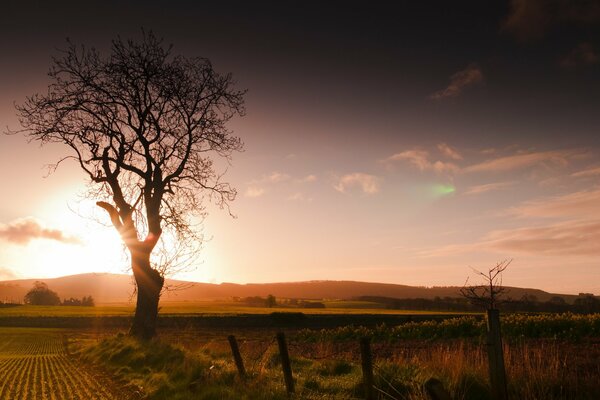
(367,368)
(237,357)
(496,356)
(285,362)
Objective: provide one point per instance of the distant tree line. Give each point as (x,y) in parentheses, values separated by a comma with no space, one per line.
(257,301)
(42,295)
(271,301)
(87,301)
(584,303)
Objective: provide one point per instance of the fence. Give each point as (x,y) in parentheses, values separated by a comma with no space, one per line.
(433,388)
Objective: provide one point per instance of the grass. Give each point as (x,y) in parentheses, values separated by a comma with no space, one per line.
(202,308)
(195,365)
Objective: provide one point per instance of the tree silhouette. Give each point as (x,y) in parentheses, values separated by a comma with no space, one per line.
(145,126)
(41,295)
(488,294)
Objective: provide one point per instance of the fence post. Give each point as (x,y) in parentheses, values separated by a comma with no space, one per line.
(367,367)
(496,356)
(237,357)
(435,390)
(285,362)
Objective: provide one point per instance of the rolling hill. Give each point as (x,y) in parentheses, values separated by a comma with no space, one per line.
(117,288)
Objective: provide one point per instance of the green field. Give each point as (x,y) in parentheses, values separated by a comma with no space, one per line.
(205,308)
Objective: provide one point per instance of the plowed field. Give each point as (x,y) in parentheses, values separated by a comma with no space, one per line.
(34,364)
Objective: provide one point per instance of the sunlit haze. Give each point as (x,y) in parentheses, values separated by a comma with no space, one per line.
(382,143)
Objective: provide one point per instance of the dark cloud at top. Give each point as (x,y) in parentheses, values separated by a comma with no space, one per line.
(343,64)
(530,20)
(583,54)
(22,231)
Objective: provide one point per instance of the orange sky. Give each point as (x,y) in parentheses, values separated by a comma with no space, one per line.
(370,154)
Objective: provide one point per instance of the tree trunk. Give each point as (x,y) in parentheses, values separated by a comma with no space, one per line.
(149,284)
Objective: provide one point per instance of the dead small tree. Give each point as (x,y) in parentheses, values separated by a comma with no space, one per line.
(488,294)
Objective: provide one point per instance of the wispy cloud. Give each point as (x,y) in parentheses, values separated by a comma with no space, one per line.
(587,173)
(573,238)
(449,152)
(420,159)
(469,76)
(582,55)
(254,191)
(368,184)
(520,161)
(489,187)
(529,20)
(577,234)
(299,196)
(308,179)
(24,230)
(275,177)
(582,204)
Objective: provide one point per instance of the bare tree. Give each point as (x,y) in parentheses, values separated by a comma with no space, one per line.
(487,295)
(146,127)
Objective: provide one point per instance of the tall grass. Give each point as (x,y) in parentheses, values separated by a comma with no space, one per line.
(559,362)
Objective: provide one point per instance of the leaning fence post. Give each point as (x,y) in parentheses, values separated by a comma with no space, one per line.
(285,362)
(237,357)
(496,356)
(367,367)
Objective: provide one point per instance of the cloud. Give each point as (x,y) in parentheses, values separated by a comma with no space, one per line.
(520,161)
(577,235)
(420,159)
(449,151)
(582,55)
(369,184)
(489,187)
(583,204)
(254,191)
(24,230)
(6,273)
(587,173)
(276,177)
(299,196)
(573,238)
(529,20)
(272,178)
(469,76)
(308,179)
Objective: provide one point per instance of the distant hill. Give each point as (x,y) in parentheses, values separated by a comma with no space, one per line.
(117,288)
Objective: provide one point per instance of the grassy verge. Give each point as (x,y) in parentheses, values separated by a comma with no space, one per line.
(326,364)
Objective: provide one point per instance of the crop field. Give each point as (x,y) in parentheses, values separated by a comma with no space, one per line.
(552,357)
(34,364)
(203,308)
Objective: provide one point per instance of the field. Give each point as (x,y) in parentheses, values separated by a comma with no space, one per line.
(203,308)
(547,357)
(34,364)
(326,363)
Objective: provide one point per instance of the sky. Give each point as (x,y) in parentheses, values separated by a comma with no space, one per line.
(403,142)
